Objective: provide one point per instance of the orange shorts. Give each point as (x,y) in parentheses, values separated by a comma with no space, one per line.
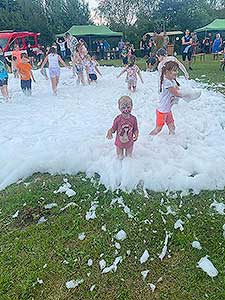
(162,118)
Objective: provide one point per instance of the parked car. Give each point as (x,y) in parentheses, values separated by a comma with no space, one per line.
(9,38)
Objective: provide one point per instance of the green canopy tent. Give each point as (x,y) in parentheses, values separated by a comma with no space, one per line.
(216,25)
(90,31)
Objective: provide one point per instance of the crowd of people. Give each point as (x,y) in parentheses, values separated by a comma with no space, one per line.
(21,64)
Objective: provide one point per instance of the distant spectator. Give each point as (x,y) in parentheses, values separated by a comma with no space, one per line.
(144,45)
(195,42)
(187,49)
(217,44)
(124,55)
(159,40)
(207,43)
(106,48)
(166,40)
(71,42)
(101,48)
(31,54)
(62,46)
(121,45)
(40,53)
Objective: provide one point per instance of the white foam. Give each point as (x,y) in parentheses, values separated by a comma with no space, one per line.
(66,134)
(207,266)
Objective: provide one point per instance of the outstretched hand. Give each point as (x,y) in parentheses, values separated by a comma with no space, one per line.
(109,135)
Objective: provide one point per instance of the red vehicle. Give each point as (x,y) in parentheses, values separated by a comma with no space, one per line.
(9,38)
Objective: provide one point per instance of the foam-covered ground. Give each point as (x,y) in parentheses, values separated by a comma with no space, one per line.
(66,134)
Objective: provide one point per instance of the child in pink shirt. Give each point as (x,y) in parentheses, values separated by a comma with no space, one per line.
(126,128)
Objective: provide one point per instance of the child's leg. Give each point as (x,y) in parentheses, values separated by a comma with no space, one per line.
(160,121)
(156,130)
(129,151)
(5,92)
(29,87)
(171,128)
(119,153)
(170,123)
(57,80)
(82,78)
(54,85)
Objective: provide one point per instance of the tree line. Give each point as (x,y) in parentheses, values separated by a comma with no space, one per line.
(46,16)
(133,17)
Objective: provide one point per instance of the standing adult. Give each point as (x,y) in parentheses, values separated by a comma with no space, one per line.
(166,40)
(187,48)
(71,42)
(144,45)
(120,46)
(106,48)
(194,42)
(217,44)
(30,54)
(3,76)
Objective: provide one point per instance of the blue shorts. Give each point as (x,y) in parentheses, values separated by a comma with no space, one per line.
(93,77)
(4,81)
(26,84)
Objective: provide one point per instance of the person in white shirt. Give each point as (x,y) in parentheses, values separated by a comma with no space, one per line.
(169,90)
(62,48)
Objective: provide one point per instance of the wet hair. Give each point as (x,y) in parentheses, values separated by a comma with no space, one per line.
(132,61)
(67,34)
(161,52)
(168,66)
(52,50)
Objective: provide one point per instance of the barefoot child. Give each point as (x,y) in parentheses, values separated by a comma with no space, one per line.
(92,69)
(78,64)
(132,72)
(169,90)
(54,68)
(126,128)
(24,69)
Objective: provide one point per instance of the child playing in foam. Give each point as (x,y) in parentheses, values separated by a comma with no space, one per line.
(169,90)
(161,54)
(92,68)
(126,128)
(132,72)
(78,64)
(187,93)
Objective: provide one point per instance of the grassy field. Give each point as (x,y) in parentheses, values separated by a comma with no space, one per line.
(52,252)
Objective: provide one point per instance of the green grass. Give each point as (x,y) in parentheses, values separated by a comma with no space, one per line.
(26,247)
(207,71)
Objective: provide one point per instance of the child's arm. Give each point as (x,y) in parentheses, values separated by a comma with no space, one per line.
(123,71)
(139,74)
(96,68)
(109,135)
(136,131)
(62,62)
(135,136)
(32,76)
(175,91)
(112,129)
(44,62)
